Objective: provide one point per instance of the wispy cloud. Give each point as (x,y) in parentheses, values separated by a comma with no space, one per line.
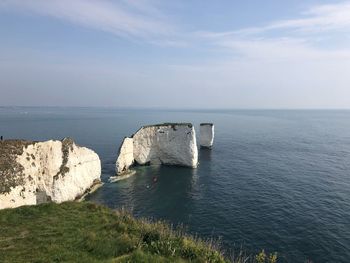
(304,60)
(308,37)
(298,62)
(320,18)
(126,18)
(316,19)
(144,19)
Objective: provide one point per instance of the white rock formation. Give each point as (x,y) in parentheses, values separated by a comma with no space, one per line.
(126,156)
(39,172)
(168,143)
(206,138)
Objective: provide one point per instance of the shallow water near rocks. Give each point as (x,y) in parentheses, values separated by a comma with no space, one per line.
(278,180)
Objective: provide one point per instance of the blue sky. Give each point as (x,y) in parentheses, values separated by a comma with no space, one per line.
(175,54)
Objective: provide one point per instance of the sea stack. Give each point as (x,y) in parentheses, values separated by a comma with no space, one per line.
(167,143)
(206,135)
(126,155)
(39,172)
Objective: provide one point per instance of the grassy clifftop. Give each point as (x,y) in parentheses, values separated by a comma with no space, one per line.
(85,232)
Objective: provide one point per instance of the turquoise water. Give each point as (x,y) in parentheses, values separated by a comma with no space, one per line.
(278,180)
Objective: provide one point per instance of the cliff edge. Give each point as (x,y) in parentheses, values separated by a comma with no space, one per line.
(39,172)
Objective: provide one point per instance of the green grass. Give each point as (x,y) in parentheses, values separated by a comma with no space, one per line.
(86,232)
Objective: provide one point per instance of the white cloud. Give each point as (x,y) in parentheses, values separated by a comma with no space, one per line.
(143,19)
(128,18)
(282,49)
(319,18)
(287,63)
(309,37)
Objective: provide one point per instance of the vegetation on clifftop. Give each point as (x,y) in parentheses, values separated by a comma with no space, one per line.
(11,172)
(86,232)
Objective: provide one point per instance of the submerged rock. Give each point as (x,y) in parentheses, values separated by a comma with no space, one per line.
(168,143)
(206,135)
(38,172)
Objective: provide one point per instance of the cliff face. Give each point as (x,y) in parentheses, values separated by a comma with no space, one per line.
(126,156)
(172,144)
(206,138)
(169,143)
(39,172)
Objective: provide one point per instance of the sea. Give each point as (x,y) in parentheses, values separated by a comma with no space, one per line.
(277,180)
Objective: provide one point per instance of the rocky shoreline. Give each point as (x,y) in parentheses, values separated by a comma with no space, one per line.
(34,172)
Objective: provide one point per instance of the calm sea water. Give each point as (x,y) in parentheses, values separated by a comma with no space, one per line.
(278,180)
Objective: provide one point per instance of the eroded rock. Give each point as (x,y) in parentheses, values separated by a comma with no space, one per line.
(206,138)
(167,143)
(38,172)
(126,156)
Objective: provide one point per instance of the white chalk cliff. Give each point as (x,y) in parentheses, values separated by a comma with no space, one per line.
(168,143)
(206,138)
(39,172)
(126,155)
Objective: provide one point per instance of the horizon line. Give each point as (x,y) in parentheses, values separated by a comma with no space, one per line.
(165,108)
